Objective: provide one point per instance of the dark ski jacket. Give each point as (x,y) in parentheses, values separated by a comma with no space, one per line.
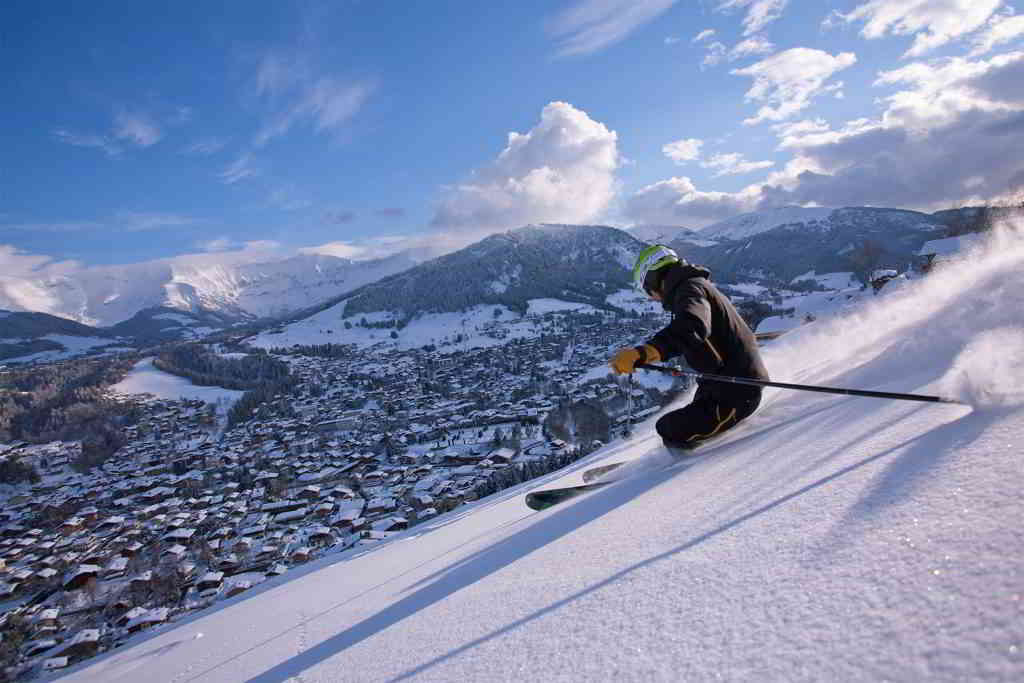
(708,332)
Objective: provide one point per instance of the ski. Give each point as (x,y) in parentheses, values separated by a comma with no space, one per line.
(595,473)
(541,500)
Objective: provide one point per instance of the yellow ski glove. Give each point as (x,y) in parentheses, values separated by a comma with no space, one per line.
(625,360)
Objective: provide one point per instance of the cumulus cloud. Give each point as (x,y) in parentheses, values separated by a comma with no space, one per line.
(677,201)
(561,171)
(932,23)
(760,13)
(588,26)
(950,136)
(787,81)
(682,151)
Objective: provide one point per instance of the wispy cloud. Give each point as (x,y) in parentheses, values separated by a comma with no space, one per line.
(137,128)
(101,142)
(205,147)
(749,47)
(289,198)
(294,92)
(706,34)
(1001,29)
(141,221)
(760,13)
(241,168)
(788,81)
(932,23)
(119,222)
(339,217)
(391,212)
(589,26)
(734,164)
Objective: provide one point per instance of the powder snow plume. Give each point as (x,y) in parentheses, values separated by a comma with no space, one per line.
(966,317)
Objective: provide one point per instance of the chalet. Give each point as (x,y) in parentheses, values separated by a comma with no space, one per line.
(391,523)
(82,645)
(37,647)
(321,536)
(210,583)
(133,613)
(81,576)
(54,663)
(237,587)
(175,552)
(150,617)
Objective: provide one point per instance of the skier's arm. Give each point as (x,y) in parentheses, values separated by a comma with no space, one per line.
(688,333)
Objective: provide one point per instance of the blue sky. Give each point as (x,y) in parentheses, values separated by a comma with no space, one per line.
(139,131)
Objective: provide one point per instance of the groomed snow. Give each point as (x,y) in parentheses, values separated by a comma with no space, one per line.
(828,538)
(146,379)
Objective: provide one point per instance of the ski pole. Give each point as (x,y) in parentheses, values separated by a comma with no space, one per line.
(801,387)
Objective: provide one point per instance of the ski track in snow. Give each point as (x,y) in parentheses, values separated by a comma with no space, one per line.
(826,539)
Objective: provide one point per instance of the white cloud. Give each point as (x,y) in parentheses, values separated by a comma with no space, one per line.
(787,81)
(949,136)
(758,45)
(677,201)
(295,93)
(16,263)
(588,26)
(139,221)
(241,168)
(933,23)
(205,147)
(289,198)
(1001,29)
(716,54)
(734,164)
(119,221)
(682,151)
(760,13)
(101,142)
(703,35)
(137,128)
(561,171)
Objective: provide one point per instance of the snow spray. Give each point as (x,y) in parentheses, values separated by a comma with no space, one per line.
(989,372)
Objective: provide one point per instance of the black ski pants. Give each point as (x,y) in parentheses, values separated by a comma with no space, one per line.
(707,416)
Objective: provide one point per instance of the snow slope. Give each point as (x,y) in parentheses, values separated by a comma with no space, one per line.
(827,538)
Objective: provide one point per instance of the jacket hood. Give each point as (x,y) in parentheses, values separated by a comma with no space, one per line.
(677,274)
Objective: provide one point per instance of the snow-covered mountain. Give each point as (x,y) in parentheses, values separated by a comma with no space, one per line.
(749,224)
(578,263)
(827,538)
(108,295)
(779,245)
(659,234)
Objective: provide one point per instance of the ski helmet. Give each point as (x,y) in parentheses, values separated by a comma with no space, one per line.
(652,258)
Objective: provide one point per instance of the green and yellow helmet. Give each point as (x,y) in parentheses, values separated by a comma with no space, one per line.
(650,259)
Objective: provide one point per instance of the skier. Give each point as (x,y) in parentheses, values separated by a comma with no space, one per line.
(710,335)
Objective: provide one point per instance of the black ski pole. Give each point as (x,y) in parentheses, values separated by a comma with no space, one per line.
(801,387)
